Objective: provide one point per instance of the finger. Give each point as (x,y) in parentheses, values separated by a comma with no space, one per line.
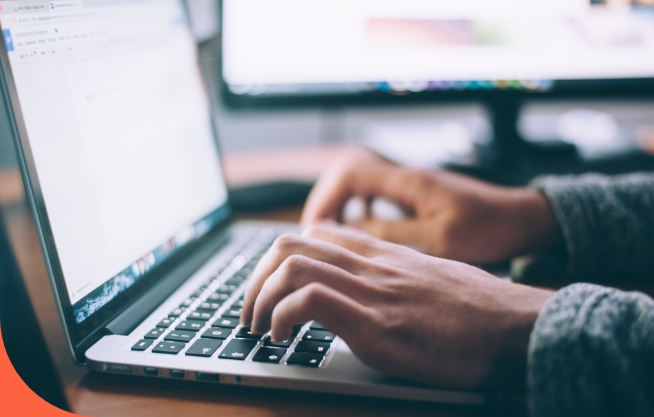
(347,237)
(338,312)
(286,246)
(329,195)
(296,272)
(407,232)
(327,199)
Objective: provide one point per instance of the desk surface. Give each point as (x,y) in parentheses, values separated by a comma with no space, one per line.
(96,394)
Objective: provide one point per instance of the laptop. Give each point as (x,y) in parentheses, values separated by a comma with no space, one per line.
(117,146)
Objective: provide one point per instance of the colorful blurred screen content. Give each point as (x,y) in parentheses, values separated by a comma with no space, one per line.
(335,46)
(119,126)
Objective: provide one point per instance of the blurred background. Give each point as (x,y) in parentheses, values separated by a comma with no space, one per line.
(598,125)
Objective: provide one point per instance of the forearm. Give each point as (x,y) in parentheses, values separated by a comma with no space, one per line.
(607,223)
(591,353)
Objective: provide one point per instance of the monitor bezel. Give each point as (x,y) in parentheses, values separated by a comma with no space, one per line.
(80,336)
(627,88)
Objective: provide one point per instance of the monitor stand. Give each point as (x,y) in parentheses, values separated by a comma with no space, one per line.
(511,160)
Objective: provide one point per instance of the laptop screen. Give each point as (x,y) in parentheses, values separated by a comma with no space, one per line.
(119,127)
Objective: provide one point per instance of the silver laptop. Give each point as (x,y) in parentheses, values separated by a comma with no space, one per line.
(118,152)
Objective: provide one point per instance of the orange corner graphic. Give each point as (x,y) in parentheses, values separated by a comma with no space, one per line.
(16,398)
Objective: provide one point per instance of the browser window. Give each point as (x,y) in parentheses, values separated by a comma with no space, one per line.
(120,129)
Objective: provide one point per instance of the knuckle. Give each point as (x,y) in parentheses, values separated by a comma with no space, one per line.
(343,169)
(313,294)
(390,325)
(294,264)
(285,242)
(420,180)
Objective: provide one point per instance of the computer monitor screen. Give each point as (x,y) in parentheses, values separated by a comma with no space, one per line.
(118,123)
(336,47)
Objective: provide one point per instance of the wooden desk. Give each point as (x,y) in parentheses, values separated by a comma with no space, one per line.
(95,394)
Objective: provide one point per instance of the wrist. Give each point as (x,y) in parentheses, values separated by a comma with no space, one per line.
(510,366)
(535,222)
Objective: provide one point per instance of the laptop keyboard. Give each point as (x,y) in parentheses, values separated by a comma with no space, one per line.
(207,325)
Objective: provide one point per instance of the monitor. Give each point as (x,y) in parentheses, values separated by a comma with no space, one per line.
(343,52)
(290,48)
(115,127)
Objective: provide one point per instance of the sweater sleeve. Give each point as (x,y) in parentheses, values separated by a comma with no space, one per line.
(591,353)
(607,222)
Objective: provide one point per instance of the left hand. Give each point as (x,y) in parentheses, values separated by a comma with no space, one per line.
(449,215)
(423,318)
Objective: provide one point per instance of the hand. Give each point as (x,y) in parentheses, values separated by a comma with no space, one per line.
(427,319)
(452,216)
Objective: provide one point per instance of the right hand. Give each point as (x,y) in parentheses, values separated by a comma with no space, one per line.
(453,216)
(427,319)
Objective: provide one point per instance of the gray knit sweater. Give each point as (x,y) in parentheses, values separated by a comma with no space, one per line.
(591,352)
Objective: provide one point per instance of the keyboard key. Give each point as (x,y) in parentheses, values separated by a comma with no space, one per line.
(204,348)
(319,336)
(198,292)
(245,333)
(312,347)
(305,359)
(217,297)
(188,302)
(238,349)
(235,281)
(155,333)
(227,289)
(255,246)
(296,329)
(179,336)
(216,333)
(224,291)
(317,326)
(245,271)
(269,355)
(177,312)
(165,323)
(192,325)
(228,322)
(171,348)
(199,315)
(278,343)
(209,306)
(237,304)
(233,313)
(142,345)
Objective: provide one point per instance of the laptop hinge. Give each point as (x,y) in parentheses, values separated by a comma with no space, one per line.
(141,308)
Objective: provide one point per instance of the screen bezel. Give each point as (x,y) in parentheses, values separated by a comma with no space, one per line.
(81,335)
(561,89)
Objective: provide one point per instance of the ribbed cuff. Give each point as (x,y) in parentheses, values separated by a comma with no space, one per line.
(559,375)
(574,219)
(591,353)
